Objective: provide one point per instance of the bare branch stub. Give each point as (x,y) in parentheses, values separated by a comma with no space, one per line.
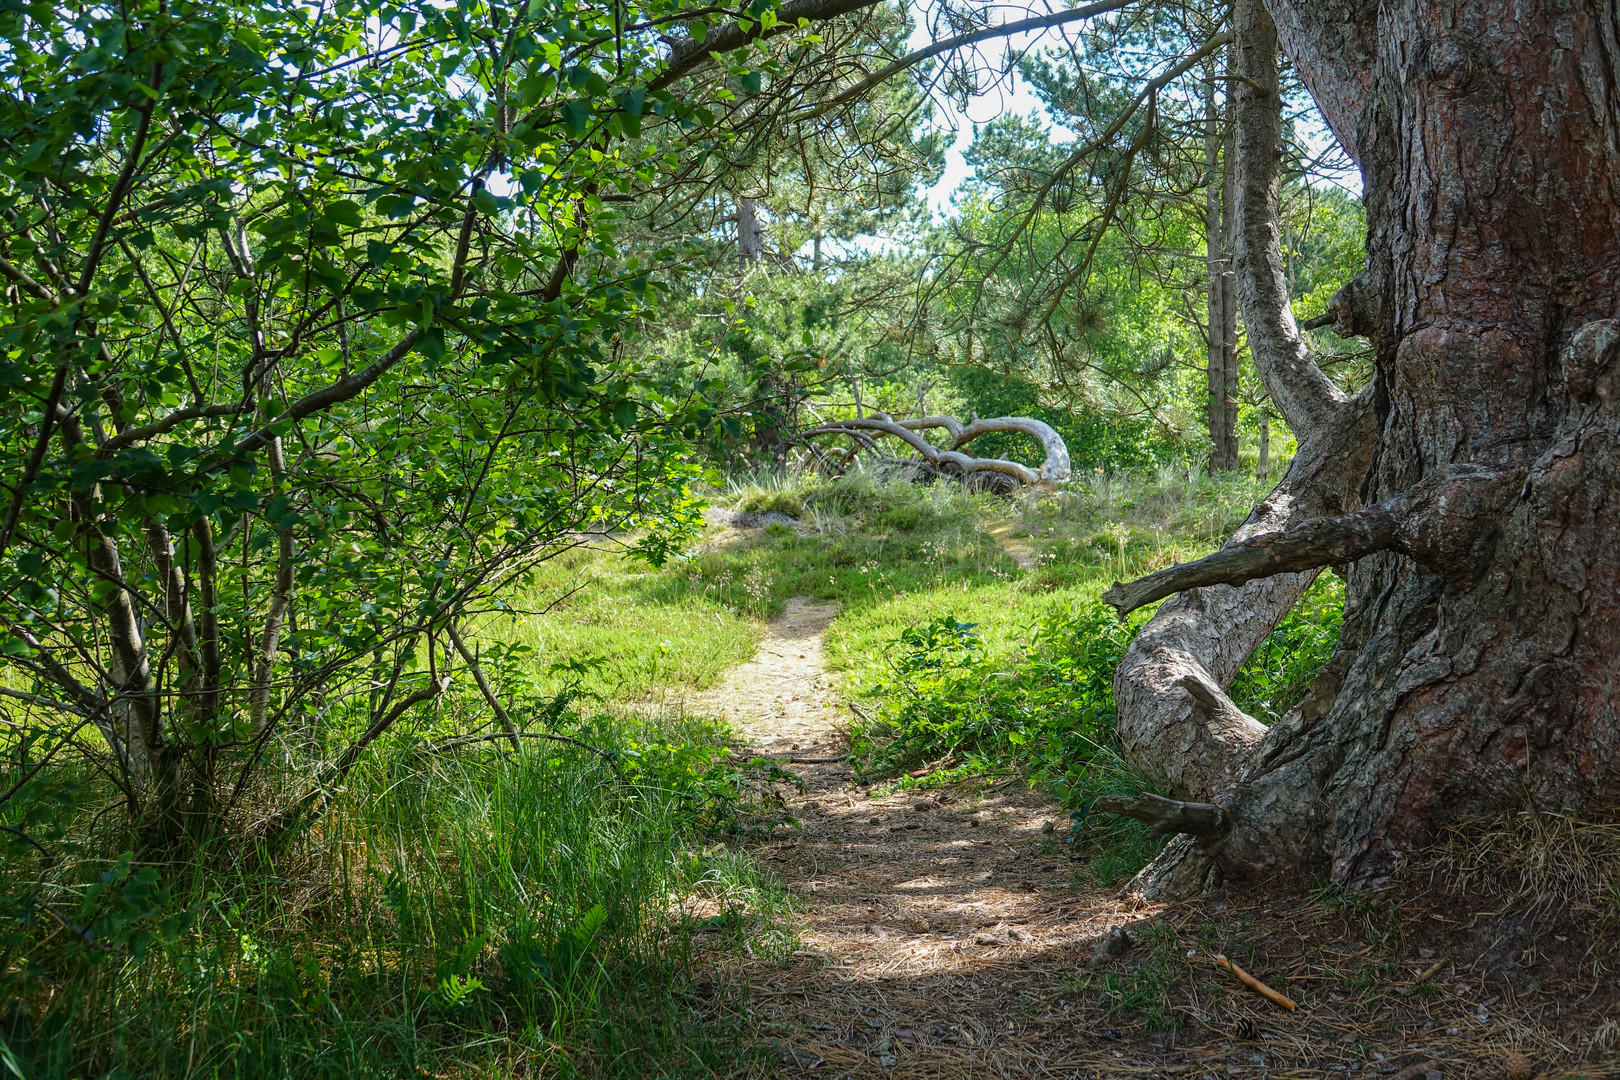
(1167,816)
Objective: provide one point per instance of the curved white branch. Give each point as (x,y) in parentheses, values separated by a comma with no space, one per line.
(1054,469)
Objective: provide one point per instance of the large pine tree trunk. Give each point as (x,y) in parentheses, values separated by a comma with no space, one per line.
(1480,665)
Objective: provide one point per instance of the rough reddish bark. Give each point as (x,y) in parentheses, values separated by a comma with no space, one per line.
(1487,673)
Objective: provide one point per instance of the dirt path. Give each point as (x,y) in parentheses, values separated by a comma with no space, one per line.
(936,931)
(942,937)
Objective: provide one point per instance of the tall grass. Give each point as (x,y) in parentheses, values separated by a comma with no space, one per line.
(489,914)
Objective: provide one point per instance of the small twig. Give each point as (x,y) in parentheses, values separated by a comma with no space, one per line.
(1255,984)
(1244,79)
(1434,969)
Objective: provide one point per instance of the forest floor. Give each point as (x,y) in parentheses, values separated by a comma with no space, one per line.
(946,936)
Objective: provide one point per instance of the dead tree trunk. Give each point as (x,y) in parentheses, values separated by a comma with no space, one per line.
(1481,642)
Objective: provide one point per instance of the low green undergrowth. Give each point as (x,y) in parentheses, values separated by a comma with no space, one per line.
(489,912)
(943,696)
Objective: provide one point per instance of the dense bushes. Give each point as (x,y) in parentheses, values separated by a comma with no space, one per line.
(944,699)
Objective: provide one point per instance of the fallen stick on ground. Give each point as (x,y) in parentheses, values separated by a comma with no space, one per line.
(1255,984)
(1434,969)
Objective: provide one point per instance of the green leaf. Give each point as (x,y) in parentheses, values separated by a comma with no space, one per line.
(344,212)
(577,114)
(430,343)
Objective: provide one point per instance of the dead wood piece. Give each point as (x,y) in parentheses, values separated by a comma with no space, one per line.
(1054,469)
(1418,1071)
(1167,816)
(923,423)
(1208,693)
(1273,996)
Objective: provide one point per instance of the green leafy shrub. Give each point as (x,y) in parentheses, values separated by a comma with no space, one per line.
(1049,710)
(1053,706)
(1280,671)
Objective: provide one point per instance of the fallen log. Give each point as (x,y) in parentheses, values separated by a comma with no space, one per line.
(1054,469)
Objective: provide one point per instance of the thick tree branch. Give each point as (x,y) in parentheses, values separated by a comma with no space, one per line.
(1306,397)
(922,423)
(1440,524)
(690,54)
(165,424)
(1330,42)
(1054,469)
(928,451)
(1314,544)
(331,394)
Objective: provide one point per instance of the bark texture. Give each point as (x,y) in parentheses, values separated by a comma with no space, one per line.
(750,237)
(1480,659)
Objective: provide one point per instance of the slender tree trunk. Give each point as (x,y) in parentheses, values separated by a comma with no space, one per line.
(1481,643)
(1221,299)
(750,241)
(1263,469)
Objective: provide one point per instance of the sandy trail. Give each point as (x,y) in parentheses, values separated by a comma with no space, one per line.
(780,701)
(936,930)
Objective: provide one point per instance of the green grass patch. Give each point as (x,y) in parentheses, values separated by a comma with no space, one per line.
(487,912)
